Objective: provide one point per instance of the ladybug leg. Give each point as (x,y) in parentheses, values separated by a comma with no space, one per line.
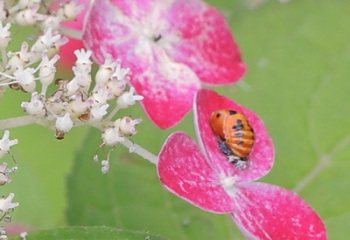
(225,149)
(240,163)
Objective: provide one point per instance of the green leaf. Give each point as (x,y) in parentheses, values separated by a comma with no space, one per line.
(89,233)
(298,56)
(131,196)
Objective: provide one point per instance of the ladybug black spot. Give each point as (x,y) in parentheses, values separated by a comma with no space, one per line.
(239,134)
(238,127)
(218,115)
(232,112)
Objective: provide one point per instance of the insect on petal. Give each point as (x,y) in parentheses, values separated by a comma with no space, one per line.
(261,158)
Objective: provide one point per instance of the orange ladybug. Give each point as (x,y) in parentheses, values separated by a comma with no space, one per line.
(235,135)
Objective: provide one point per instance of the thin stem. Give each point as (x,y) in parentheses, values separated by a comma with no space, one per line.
(113,112)
(135,148)
(28,120)
(73,33)
(17,122)
(4,57)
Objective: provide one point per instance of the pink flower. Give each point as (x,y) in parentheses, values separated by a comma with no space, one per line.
(171,47)
(205,178)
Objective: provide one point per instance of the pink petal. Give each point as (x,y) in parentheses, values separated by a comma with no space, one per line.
(262,155)
(169,89)
(166,49)
(127,30)
(206,45)
(265,211)
(183,169)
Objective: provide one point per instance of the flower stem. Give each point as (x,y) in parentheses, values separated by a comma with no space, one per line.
(73,33)
(17,122)
(135,148)
(3,57)
(113,112)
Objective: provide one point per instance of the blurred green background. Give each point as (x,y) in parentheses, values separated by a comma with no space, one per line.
(298,57)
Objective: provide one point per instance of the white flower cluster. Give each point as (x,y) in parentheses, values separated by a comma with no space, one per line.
(6,204)
(74,104)
(34,12)
(59,104)
(81,100)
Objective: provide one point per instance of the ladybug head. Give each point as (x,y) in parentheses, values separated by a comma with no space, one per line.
(218,119)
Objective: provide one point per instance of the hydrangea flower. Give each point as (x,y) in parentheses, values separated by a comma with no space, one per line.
(171,47)
(204,177)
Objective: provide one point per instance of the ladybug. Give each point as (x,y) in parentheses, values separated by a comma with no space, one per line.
(235,135)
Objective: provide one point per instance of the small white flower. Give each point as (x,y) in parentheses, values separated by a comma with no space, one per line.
(83,62)
(121,73)
(55,104)
(111,136)
(98,111)
(102,95)
(52,22)
(4,178)
(6,204)
(35,106)
(77,106)
(46,72)
(45,41)
(20,58)
(128,99)
(29,16)
(64,124)
(4,35)
(127,125)
(6,144)
(80,83)
(106,70)
(22,4)
(3,11)
(25,78)
(116,87)
(49,42)
(70,10)
(72,87)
